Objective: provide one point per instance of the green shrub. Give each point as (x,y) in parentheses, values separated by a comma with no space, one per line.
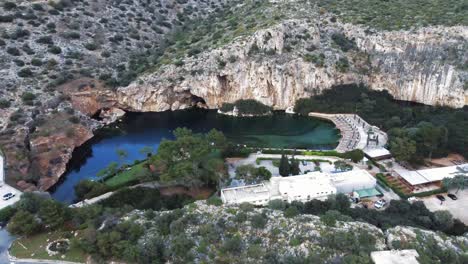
(55,50)
(277,204)
(36,62)
(13,51)
(247,107)
(226,107)
(25,72)
(342,65)
(7,213)
(214,200)
(45,40)
(27,96)
(91,46)
(6,18)
(343,42)
(4,103)
(72,35)
(9,5)
(291,211)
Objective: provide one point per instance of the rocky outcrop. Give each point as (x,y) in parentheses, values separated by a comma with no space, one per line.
(52,153)
(275,234)
(424,65)
(40,155)
(276,67)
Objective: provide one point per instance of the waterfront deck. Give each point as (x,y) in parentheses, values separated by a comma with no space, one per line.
(354,131)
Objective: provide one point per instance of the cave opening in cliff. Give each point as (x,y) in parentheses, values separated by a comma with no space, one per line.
(197,101)
(97,115)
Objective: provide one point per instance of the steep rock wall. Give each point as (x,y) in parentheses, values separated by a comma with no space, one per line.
(418,66)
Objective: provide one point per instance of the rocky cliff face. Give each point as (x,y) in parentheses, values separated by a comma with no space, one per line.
(45,45)
(299,58)
(272,51)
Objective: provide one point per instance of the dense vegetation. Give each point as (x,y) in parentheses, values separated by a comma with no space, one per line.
(250,174)
(191,159)
(247,107)
(399,212)
(35,214)
(107,231)
(398,14)
(145,198)
(415,131)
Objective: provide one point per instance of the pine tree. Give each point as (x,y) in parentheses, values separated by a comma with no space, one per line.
(284,168)
(295,170)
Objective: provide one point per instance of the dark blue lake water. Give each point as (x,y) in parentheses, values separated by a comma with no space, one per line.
(138,130)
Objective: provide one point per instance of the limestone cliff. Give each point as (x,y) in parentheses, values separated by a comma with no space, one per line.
(298,58)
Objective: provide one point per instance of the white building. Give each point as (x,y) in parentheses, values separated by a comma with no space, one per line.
(313,185)
(429,176)
(377,153)
(353,180)
(407,256)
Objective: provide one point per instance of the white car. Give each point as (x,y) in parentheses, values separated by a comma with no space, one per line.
(379,204)
(8,196)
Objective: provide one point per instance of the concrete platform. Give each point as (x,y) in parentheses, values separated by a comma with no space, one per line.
(458,208)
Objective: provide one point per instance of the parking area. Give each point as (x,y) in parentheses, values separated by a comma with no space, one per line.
(458,208)
(4,189)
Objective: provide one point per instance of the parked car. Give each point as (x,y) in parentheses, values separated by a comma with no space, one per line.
(380,203)
(8,196)
(412,199)
(452,196)
(440,197)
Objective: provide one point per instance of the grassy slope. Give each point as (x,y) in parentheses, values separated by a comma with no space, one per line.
(36,248)
(126,176)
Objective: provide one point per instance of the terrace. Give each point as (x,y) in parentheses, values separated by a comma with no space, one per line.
(356,132)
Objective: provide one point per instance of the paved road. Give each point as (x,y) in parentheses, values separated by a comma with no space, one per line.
(5,188)
(5,240)
(92,200)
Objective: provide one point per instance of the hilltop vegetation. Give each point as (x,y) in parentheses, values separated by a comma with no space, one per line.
(205,232)
(50,43)
(398,14)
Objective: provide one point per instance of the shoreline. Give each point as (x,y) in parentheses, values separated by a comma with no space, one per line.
(96,136)
(353,130)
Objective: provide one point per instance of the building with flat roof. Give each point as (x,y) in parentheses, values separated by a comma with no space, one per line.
(313,185)
(407,256)
(429,176)
(377,153)
(353,180)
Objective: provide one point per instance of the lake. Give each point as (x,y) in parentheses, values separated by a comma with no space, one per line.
(138,130)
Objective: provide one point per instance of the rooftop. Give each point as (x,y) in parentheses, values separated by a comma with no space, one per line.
(376,152)
(313,185)
(353,175)
(249,193)
(431,175)
(408,256)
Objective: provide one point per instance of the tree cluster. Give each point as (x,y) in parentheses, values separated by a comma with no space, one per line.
(415,131)
(247,107)
(191,159)
(252,175)
(288,166)
(34,213)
